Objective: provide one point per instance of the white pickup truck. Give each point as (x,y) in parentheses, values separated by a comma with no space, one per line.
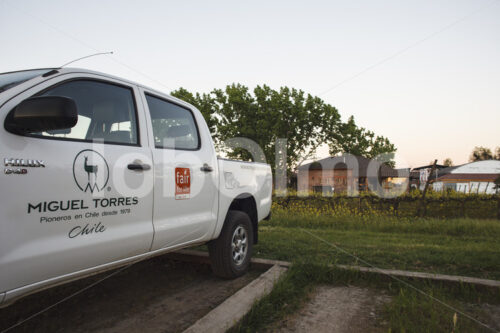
(100,172)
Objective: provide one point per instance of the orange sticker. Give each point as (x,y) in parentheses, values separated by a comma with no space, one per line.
(182,183)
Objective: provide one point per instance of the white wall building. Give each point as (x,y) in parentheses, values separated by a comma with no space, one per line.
(475,177)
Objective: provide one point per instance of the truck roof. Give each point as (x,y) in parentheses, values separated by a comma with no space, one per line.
(66,70)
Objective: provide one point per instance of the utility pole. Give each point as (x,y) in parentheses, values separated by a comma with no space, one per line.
(498,212)
(422,210)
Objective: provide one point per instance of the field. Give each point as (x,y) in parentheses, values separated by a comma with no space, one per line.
(456,246)
(313,239)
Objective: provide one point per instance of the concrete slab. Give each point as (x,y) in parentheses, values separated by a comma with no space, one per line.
(202,258)
(428,276)
(191,255)
(234,308)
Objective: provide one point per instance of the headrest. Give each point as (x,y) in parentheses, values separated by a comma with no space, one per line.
(178,131)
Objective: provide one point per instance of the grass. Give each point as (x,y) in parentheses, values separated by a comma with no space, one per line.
(457,246)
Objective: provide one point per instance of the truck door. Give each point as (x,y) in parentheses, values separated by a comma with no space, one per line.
(185,179)
(83,196)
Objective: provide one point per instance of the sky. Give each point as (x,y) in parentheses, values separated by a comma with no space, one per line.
(425,74)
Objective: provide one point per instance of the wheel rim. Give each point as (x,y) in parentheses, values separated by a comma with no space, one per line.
(239,245)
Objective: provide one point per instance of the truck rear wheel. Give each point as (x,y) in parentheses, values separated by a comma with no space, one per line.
(230,253)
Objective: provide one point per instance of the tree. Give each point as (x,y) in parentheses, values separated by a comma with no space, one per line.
(269,115)
(480,154)
(448,162)
(349,138)
(265,115)
(497,184)
(497,153)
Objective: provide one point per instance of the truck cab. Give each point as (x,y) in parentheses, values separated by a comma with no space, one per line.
(100,172)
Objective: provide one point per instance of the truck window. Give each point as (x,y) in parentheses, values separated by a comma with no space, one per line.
(174,126)
(106,112)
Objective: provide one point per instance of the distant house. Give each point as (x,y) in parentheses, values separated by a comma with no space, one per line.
(419,175)
(475,177)
(346,173)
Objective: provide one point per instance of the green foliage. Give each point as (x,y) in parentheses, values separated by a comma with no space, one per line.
(448,162)
(266,115)
(269,115)
(480,154)
(355,140)
(368,206)
(412,311)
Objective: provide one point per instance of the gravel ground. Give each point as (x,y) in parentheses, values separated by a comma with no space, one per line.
(490,314)
(157,295)
(337,310)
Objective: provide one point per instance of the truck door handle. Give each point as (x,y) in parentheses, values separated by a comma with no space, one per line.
(139,167)
(206,168)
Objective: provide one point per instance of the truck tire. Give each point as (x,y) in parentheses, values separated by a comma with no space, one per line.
(230,253)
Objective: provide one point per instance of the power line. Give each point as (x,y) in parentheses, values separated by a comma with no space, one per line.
(407,48)
(83,43)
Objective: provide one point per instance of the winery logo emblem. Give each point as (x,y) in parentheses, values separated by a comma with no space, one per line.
(91,171)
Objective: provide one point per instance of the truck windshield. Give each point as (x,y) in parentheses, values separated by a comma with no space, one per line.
(12,79)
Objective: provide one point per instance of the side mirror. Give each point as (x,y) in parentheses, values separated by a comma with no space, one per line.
(42,114)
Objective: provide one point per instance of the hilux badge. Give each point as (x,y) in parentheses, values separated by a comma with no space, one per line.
(17,162)
(17,166)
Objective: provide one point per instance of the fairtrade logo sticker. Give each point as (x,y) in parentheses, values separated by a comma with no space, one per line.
(91,171)
(182,183)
